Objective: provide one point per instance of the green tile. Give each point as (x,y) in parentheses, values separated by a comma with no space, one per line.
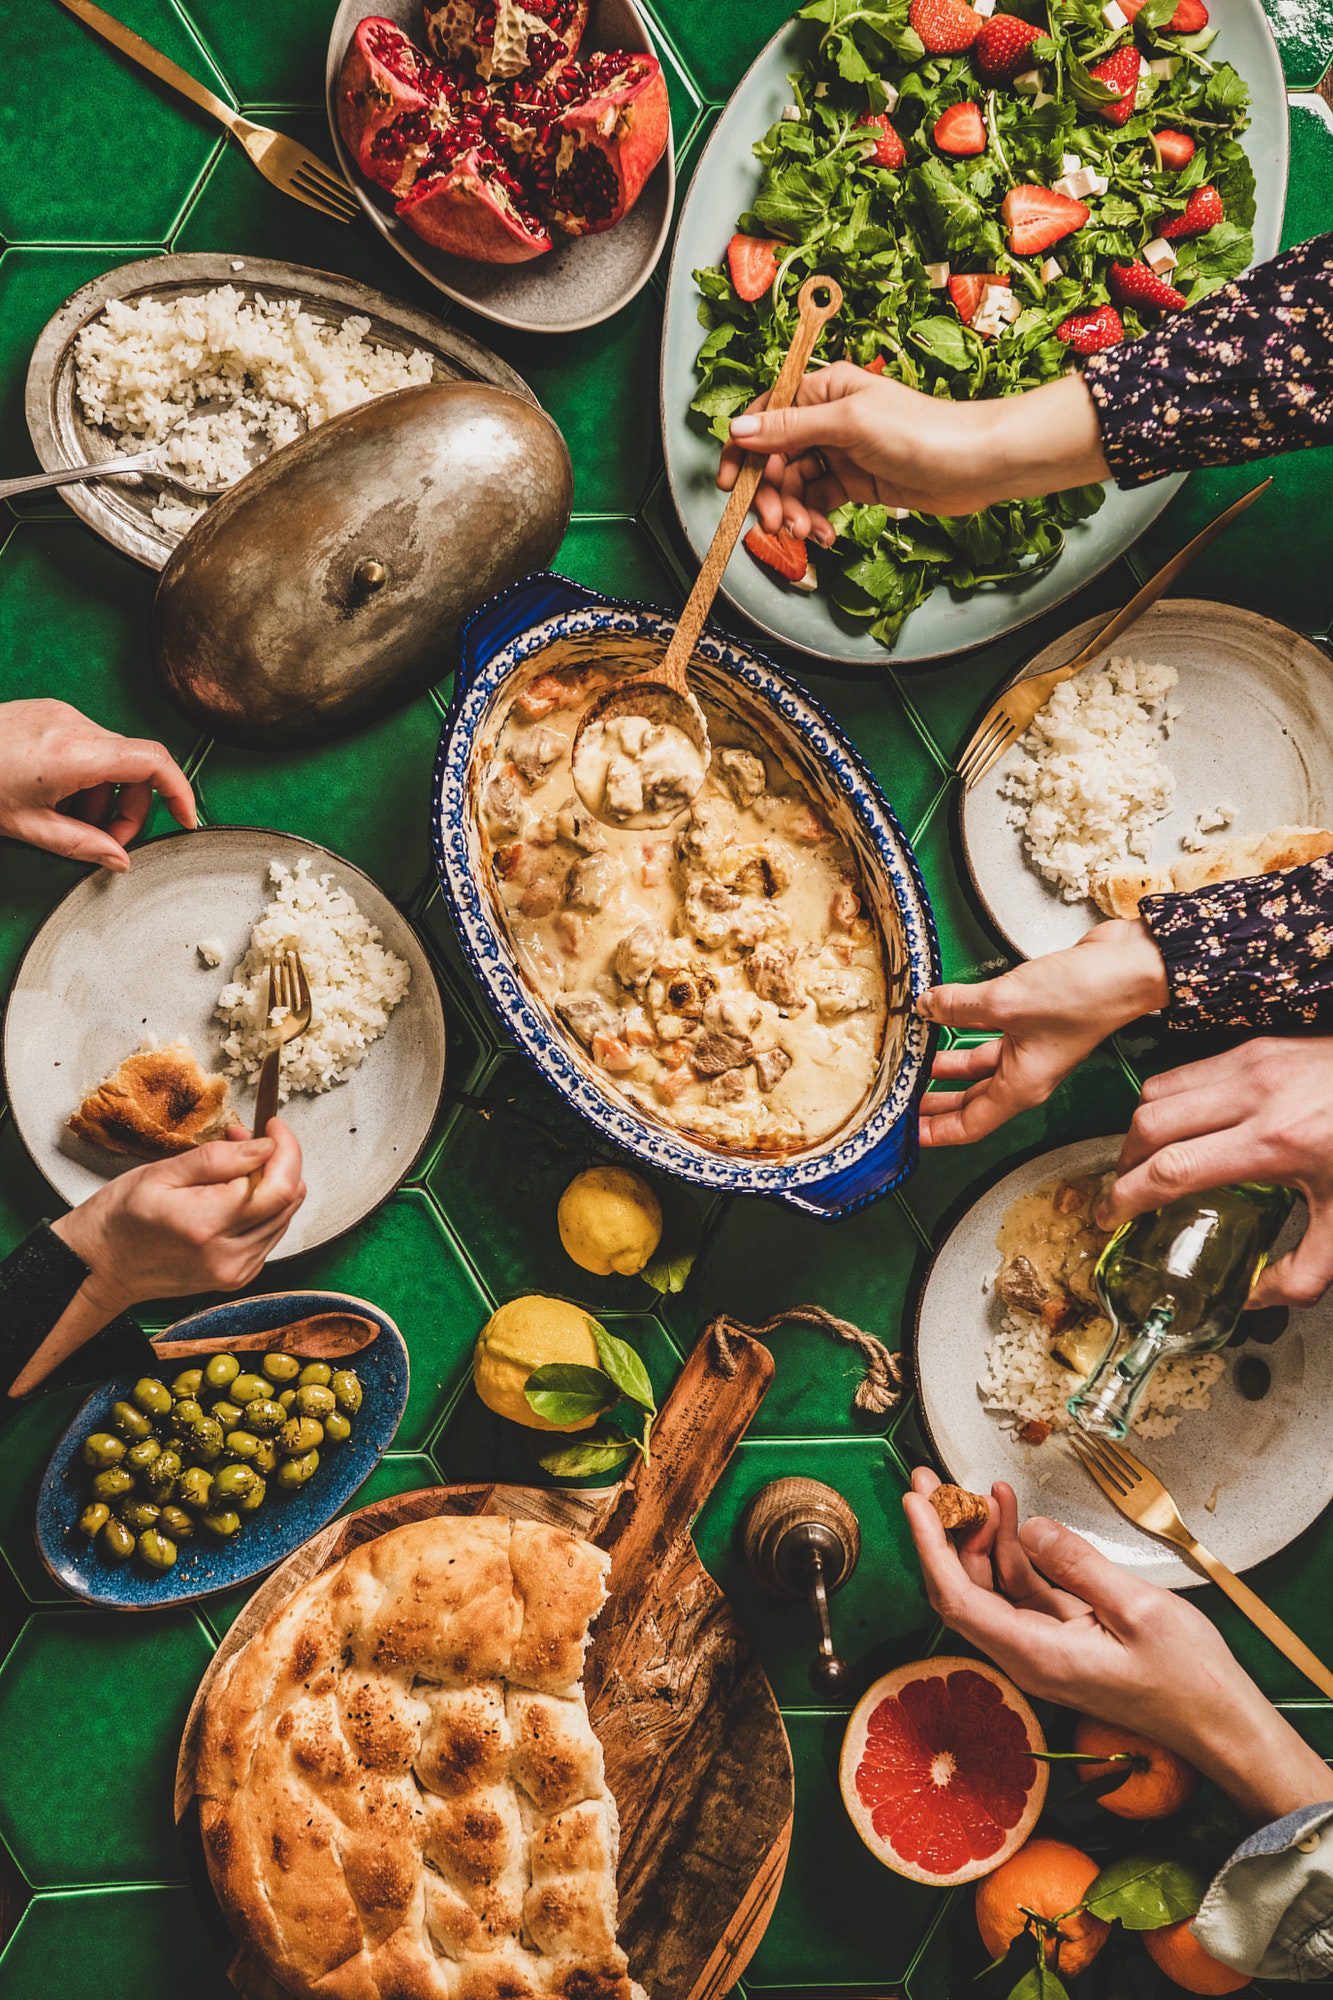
(718,43)
(91,1710)
(348,795)
(31,1434)
(1294,1583)
(91,151)
(267,62)
(25,1198)
(841,1916)
(763,1258)
(85,1947)
(1311,173)
(869,707)
(880,1617)
(687,159)
(617,558)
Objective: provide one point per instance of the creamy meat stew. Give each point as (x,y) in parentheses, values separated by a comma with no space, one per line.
(722,972)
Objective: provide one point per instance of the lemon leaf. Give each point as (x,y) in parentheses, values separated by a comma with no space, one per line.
(582,1461)
(566,1393)
(624,1367)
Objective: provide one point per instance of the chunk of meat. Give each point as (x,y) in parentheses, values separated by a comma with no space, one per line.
(715,895)
(708,834)
(533,751)
(587,1015)
(1035,1431)
(846,906)
(770,1066)
(1019,1286)
(760,871)
(540,897)
(502,803)
(591,882)
(726,1088)
(708,925)
(508,860)
(742,773)
(582,829)
(715,1052)
(689,992)
(837,990)
(769,971)
(637,954)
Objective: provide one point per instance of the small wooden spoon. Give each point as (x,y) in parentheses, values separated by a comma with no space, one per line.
(324,1337)
(665,695)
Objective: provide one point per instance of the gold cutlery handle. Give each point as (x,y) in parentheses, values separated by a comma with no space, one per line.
(142,52)
(266,1102)
(1260,1616)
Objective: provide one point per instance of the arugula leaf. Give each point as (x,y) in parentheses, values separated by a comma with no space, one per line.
(947,341)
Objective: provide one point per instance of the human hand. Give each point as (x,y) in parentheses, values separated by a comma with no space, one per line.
(853,436)
(1069,1626)
(1260,1112)
(76,789)
(1051,1013)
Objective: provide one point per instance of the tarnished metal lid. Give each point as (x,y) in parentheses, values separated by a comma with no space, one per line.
(329,584)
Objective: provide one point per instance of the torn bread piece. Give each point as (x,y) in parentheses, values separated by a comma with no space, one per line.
(958,1509)
(158,1102)
(1119,892)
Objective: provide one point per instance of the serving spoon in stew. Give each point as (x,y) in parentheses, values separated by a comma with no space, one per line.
(641,750)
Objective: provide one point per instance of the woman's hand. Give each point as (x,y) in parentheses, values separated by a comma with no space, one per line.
(77,789)
(1069,1626)
(855,436)
(1051,1013)
(1261,1112)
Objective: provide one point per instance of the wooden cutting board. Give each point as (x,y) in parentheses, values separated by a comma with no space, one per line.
(696,1753)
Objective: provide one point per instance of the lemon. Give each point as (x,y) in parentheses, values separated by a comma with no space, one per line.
(524,1335)
(610,1221)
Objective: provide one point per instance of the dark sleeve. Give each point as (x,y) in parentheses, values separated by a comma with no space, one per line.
(37,1282)
(1257,953)
(1245,373)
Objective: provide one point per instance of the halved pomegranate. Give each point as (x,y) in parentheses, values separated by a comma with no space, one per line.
(506,38)
(592,137)
(471,204)
(383,77)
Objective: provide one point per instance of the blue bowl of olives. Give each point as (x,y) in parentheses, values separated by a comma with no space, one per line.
(187,1480)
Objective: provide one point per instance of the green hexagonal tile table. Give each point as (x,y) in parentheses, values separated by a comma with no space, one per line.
(97,167)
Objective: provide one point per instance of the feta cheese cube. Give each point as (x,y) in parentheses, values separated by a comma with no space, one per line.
(1080,184)
(998,309)
(983,7)
(791,114)
(1070,163)
(890,99)
(937,276)
(1143,68)
(1159,256)
(1051,269)
(1028,82)
(1042,97)
(1164,66)
(899,513)
(1115,16)
(1098,185)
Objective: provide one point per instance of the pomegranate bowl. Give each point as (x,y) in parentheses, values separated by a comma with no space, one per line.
(520,158)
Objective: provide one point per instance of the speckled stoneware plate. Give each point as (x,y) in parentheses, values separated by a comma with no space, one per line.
(121,510)
(1252,734)
(116,961)
(581,281)
(203,1565)
(1264,1467)
(724,183)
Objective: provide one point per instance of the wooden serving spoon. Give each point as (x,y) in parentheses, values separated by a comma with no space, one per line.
(323,1337)
(665,696)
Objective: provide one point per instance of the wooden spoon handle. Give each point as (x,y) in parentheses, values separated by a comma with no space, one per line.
(325,1336)
(817,301)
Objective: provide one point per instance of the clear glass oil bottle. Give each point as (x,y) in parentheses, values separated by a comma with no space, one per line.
(1176,1281)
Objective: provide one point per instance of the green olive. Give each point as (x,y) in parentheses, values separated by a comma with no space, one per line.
(222,1522)
(161,1476)
(248,1388)
(94,1518)
(185,1415)
(205,1440)
(131,1423)
(266,1458)
(294,1472)
(281,1367)
(227,1414)
(299,1436)
(222,1371)
(346,1386)
(337,1430)
(196,1486)
(241,1444)
(115,1541)
(313,1401)
(286,1399)
(188,1383)
(177,1523)
(141,1455)
(102,1449)
(156,1549)
(254,1499)
(233,1482)
(151,1396)
(113,1483)
(139,1514)
(264,1416)
(316,1374)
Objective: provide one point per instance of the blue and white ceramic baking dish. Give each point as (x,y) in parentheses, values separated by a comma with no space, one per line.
(501,645)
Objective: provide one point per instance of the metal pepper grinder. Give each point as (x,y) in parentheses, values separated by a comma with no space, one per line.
(800,1539)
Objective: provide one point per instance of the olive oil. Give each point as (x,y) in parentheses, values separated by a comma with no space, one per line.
(1176,1281)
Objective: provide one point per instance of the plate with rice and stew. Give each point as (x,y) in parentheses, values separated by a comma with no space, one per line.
(1009,1325)
(138,1021)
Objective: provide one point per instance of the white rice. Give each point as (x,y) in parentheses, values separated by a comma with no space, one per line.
(355,983)
(143,365)
(1022,1381)
(1092,782)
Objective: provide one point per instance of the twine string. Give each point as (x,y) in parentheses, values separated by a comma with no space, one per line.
(880,1388)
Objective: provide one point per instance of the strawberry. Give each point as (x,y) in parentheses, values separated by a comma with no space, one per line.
(946,27)
(1002,48)
(1203,210)
(960,130)
(784,553)
(1136,285)
(1176,149)
(889,148)
(1090,332)
(966,292)
(877,366)
(1036,217)
(753,263)
(1189,17)
(1120,73)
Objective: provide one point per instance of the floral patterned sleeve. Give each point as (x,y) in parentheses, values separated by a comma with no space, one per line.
(1246,372)
(1257,953)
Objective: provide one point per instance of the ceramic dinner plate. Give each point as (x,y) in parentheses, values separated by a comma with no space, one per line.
(582,280)
(1264,1467)
(1252,734)
(116,961)
(724,183)
(284,1521)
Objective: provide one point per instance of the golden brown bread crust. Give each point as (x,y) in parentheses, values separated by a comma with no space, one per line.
(957,1508)
(158,1102)
(1119,893)
(400,1793)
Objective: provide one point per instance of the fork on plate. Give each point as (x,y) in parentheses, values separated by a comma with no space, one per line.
(289,993)
(1140,1496)
(289,166)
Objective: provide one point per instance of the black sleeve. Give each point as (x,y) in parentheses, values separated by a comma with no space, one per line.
(37,1282)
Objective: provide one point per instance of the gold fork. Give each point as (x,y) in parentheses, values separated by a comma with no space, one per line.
(1013,711)
(1141,1497)
(288,988)
(299,173)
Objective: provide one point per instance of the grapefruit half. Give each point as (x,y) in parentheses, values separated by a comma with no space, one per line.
(937,1770)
